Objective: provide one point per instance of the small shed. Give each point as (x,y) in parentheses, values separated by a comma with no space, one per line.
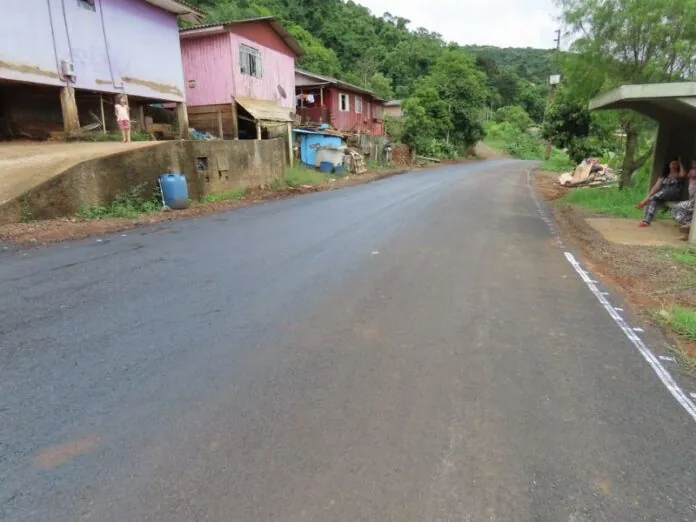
(312,142)
(672,106)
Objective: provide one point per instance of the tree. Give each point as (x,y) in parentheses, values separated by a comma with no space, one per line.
(443,111)
(629,41)
(317,58)
(515,115)
(381,86)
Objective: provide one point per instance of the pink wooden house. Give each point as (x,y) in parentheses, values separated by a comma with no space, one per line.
(240,77)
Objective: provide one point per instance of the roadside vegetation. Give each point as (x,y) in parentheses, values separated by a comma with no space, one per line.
(116,136)
(130,203)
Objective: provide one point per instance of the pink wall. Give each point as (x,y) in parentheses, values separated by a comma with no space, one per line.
(208,61)
(213,62)
(278,70)
(263,34)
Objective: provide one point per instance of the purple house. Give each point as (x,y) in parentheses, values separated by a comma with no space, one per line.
(62,62)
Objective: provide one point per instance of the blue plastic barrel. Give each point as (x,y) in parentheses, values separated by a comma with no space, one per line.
(174,190)
(325,167)
(339,170)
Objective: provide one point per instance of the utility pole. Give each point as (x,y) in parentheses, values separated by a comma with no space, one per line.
(554,79)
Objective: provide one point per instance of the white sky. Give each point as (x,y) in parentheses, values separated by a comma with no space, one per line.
(503,23)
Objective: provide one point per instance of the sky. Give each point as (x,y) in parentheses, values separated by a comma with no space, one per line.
(503,23)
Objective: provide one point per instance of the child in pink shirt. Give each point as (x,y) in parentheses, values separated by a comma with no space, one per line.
(123,118)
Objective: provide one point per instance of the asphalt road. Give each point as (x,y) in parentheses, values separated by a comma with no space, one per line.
(416,349)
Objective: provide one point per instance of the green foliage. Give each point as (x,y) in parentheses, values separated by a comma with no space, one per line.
(129,203)
(558,162)
(298,175)
(623,42)
(394,128)
(515,115)
(681,319)
(116,136)
(532,65)
(236,194)
(442,115)
(524,146)
(381,85)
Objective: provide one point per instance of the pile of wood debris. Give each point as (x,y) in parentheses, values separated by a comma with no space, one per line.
(589,173)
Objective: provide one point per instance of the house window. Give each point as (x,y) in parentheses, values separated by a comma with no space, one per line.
(358,105)
(343,102)
(87,4)
(250,61)
(369,110)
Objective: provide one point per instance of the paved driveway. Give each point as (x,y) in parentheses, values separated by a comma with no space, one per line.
(23,166)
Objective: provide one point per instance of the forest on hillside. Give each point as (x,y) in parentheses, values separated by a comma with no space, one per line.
(445,86)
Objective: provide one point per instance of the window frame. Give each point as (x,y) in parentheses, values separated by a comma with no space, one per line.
(358,104)
(89,5)
(343,96)
(247,66)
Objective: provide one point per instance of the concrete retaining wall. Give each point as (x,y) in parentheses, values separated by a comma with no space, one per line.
(210,167)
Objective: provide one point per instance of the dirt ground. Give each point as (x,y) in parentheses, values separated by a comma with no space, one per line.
(24,165)
(70,228)
(647,276)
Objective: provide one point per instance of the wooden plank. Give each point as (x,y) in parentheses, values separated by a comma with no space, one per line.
(209,109)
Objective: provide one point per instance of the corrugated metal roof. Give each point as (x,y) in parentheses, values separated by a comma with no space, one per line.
(271,20)
(265,110)
(181,8)
(316,80)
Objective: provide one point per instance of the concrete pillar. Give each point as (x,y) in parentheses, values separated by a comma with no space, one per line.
(182,119)
(258,130)
(291,145)
(660,152)
(68,104)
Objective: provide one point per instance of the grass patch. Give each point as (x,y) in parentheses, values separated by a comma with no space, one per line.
(681,319)
(130,203)
(236,194)
(683,256)
(612,201)
(296,175)
(558,162)
(116,136)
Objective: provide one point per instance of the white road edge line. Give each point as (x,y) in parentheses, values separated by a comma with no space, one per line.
(657,367)
(661,372)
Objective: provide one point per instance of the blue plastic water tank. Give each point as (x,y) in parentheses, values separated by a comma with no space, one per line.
(174,190)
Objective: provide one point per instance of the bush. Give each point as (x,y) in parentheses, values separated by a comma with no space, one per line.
(129,203)
(524,146)
(514,115)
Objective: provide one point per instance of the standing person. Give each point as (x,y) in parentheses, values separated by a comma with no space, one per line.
(667,188)
(123,118)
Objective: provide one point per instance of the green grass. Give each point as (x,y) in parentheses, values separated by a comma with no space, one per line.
(683,256)
(681,319)
(130,203)
(116,136)
(612,201)
(235,194)
(295,176)
(558,162)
